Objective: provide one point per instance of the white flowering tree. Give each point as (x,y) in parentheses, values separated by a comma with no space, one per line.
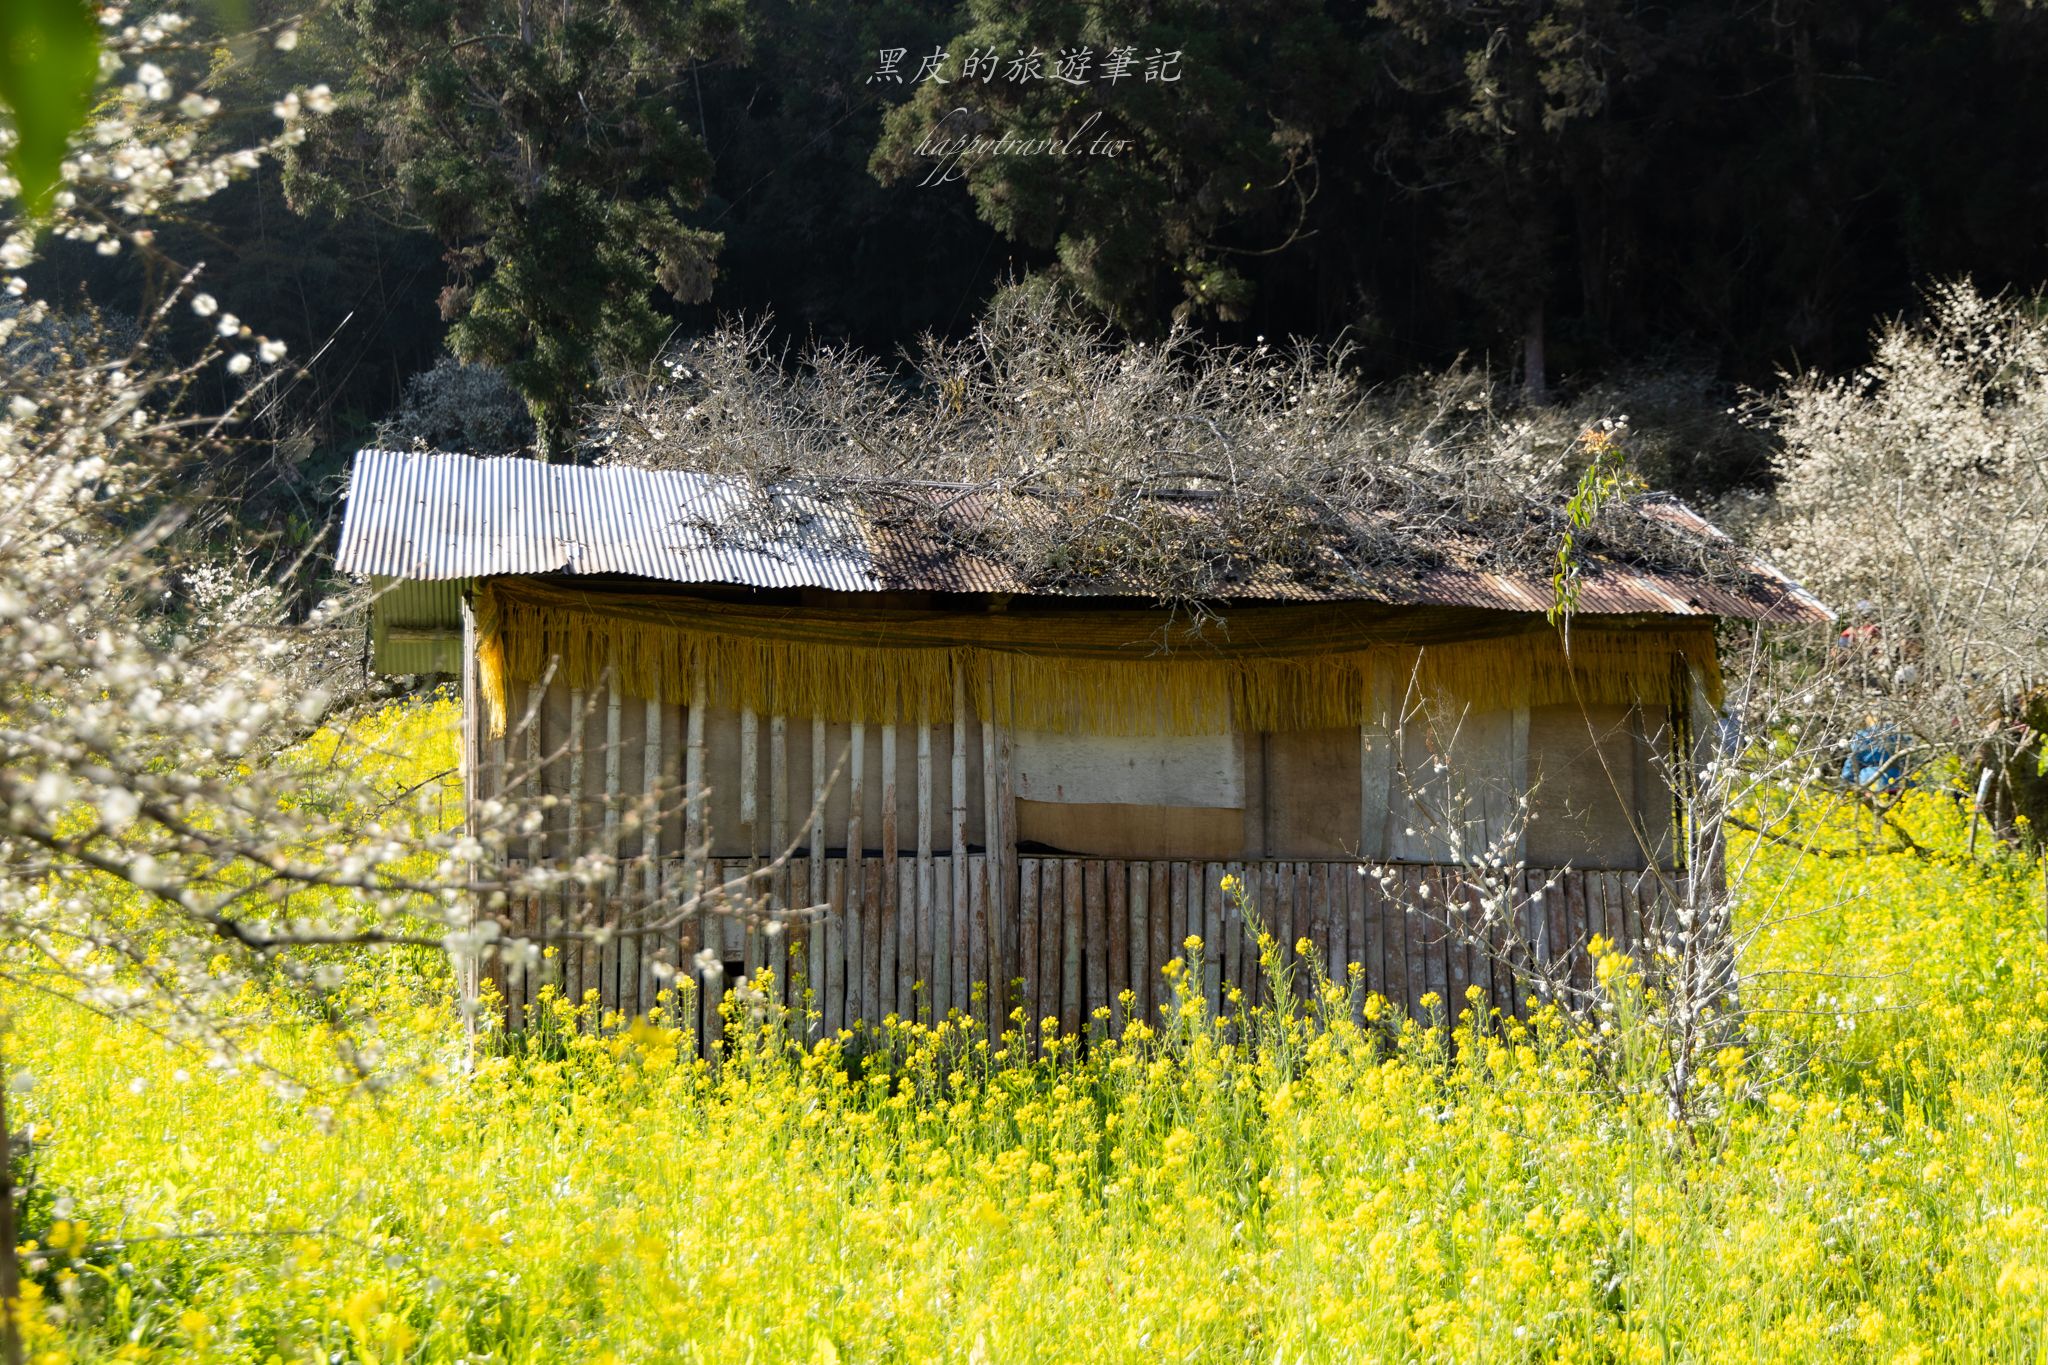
(159,856)
(1913,493)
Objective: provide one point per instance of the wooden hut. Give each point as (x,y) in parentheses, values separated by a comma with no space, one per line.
(1012,798)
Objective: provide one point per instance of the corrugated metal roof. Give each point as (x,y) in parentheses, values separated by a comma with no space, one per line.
(424,516)
(433,516)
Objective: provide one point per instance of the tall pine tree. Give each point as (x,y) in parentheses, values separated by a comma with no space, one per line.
(550,146)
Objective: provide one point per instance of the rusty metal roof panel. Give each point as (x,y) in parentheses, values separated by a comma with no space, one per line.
(424,516)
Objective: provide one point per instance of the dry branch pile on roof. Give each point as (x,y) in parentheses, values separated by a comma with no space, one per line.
(1071,461)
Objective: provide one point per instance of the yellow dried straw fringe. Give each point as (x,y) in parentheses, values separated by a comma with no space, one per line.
(1110,672)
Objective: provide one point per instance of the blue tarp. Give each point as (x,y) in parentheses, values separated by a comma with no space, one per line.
(1874,759)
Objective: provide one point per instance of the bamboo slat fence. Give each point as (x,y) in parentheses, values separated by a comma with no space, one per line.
(1077,946)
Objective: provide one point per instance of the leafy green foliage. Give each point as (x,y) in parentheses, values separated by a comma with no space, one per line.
(1691,189)
(546,147)
(1605,479)
(49,58)
(1201,156)
(1521,91)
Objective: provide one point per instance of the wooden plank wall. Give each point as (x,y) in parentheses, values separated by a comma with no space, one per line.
(1092,938)
(922,923)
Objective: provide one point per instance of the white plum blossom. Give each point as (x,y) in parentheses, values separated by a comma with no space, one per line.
(1914,497)
(146,870)
(150,82)
(118,808)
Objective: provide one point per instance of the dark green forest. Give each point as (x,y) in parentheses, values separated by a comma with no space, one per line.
(1569,192)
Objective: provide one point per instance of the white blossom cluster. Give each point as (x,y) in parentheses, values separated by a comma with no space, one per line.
(146,146)
(1913,496)
(162,845)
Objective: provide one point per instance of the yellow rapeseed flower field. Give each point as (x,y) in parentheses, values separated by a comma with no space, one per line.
(1868,1179)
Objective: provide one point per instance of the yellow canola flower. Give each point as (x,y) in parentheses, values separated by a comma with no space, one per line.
(1321,1181)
